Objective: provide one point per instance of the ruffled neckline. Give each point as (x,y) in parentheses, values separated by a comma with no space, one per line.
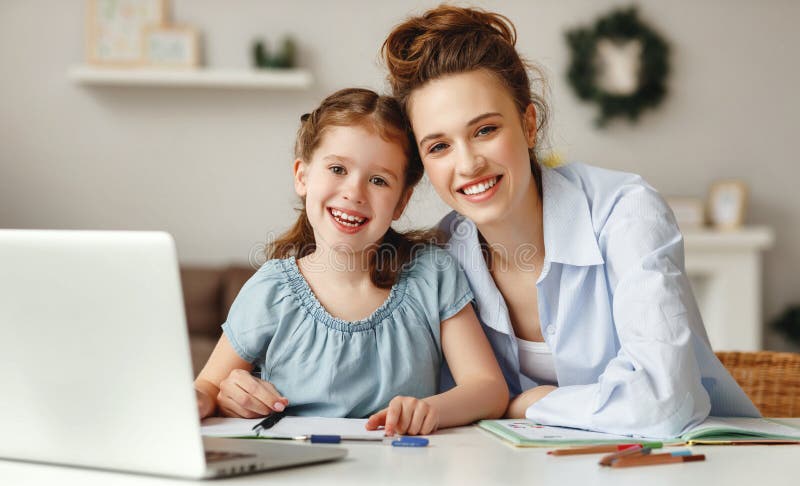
(303,293)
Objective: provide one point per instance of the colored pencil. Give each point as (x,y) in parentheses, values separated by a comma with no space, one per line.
(599,449)
(654,460)
(634,451)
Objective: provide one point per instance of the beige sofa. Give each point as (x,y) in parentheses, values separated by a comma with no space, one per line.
(208,293)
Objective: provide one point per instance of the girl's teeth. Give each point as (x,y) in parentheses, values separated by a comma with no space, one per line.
(347,219)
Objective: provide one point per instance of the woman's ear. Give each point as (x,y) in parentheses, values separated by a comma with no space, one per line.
(529,125)
(401,205)
(300,175)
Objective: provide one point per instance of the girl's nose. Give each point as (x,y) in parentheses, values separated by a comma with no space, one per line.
(354,192)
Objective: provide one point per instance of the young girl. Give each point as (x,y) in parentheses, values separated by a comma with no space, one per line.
(350,318)
(579,274)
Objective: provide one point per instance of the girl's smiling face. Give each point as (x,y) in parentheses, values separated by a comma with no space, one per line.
(474,144)
(353,187)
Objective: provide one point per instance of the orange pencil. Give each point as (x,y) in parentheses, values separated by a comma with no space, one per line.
(654,460)
(599,449)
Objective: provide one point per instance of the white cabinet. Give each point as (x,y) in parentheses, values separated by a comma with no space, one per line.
(725,270)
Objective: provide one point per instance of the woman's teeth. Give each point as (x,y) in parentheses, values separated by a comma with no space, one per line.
(347,219)
(479,188)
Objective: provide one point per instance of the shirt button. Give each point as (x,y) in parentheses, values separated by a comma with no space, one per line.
(550,329)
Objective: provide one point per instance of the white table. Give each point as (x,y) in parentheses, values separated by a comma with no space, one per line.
(468,456)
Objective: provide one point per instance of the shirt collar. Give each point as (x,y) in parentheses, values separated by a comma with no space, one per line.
(569,236)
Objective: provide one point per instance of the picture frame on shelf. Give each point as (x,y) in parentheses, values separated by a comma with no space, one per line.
(689,211)
(727,203)
(172,47)
(115,30)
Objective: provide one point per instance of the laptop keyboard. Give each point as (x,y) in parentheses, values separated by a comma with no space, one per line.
(217,456)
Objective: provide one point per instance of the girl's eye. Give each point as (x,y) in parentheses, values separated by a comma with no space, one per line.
(378,181)
(485,130)
(337,169)
(437,147)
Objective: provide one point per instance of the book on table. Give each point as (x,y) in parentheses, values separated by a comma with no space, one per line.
(713,430)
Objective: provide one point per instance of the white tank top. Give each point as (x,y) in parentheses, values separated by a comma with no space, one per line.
(536,362)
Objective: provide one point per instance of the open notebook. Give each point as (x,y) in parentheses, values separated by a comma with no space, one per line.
(714,430)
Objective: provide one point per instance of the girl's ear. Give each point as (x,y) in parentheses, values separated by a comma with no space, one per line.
(529,125)
(300,175)
(401,205)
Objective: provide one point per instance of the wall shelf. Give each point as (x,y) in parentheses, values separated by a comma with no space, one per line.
(294,79)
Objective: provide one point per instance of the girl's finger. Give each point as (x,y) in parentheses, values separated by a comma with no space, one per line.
(430,424)
(276,401)
(247,401)
(230,408)
(420,412)
(404,417)
(376,420)
(392,415)
(252,386)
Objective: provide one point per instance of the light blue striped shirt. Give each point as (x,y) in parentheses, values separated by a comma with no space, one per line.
(630,351)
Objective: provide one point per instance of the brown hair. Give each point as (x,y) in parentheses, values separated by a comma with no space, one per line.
(451,40)
(349,107)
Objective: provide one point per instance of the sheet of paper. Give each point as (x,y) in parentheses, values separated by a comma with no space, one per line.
(290,427)
(531,431)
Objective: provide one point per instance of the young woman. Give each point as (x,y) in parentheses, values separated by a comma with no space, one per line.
(578,272)
(350,318)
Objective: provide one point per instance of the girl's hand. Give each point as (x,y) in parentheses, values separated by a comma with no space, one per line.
(406,416)
(518,406)
(205,404)
(243,395)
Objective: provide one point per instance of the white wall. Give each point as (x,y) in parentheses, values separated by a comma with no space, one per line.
(213,166)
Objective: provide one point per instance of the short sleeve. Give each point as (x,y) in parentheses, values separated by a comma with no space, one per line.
(452,292)
(252,320)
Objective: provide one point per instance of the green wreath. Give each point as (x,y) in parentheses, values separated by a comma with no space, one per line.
(618,27)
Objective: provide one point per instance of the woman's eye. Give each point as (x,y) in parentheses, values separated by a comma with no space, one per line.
(485,130)
(437,147)
(337,169)
(378,181)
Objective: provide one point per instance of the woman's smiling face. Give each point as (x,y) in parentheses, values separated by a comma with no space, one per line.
(474,144)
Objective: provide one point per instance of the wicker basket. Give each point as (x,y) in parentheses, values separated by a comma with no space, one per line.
(770,379)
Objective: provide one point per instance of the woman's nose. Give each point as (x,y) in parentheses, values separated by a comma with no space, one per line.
(470,163)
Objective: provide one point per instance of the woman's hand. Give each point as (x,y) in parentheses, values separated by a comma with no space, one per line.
(520,403)
(243,395)
(406,416)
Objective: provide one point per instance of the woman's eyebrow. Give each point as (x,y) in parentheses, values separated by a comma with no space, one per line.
(469,123)
(483,116)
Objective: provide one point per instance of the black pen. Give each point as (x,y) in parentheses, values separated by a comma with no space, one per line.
(268,422)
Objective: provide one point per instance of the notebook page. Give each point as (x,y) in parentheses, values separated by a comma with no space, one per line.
(290,427)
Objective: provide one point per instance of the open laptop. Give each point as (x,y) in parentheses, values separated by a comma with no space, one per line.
(95,369)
